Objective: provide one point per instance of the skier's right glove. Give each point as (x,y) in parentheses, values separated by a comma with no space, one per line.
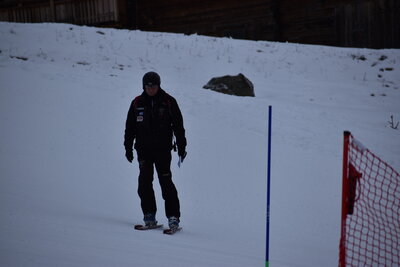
(129,155)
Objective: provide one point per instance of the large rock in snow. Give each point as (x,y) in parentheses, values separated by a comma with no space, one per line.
(232,85)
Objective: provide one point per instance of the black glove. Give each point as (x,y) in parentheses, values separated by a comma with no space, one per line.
(129,155)
(182,154)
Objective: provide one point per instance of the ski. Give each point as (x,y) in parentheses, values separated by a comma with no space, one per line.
(144,227)
(171,231)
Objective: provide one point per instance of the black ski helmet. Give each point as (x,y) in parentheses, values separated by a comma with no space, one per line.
(151,78)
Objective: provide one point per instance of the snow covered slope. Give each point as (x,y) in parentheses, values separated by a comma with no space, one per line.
(68,195)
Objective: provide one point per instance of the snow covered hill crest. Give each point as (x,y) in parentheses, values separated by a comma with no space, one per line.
(68,195)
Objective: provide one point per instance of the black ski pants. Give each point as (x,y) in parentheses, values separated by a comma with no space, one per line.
(162,161)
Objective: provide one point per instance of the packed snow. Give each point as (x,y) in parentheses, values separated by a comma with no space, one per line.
(68,195)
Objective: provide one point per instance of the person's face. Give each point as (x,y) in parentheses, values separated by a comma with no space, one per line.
(151,90)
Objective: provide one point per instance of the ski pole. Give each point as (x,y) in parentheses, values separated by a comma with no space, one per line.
(268,186)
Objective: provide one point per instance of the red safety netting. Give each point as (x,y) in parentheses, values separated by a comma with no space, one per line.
(370,210)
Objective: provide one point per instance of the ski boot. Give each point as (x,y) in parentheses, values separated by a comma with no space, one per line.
(150,220)
(173,223)
(150,223)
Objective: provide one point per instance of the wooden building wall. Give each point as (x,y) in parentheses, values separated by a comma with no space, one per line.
(357,23)
(354,23)
(235,18)
(373,24)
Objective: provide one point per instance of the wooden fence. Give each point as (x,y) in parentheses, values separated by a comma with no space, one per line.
(82,12)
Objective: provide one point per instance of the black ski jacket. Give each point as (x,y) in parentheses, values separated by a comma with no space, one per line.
(152,122)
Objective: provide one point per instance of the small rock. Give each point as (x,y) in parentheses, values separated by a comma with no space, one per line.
(84,63)
(20,58)
(383,57)
(358,57)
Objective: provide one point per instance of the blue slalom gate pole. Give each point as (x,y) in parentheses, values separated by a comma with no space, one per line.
(268,185)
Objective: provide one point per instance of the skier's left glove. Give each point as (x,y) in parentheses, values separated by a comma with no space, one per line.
(182,154)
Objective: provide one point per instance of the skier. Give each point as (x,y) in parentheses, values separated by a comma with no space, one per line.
(153,118)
